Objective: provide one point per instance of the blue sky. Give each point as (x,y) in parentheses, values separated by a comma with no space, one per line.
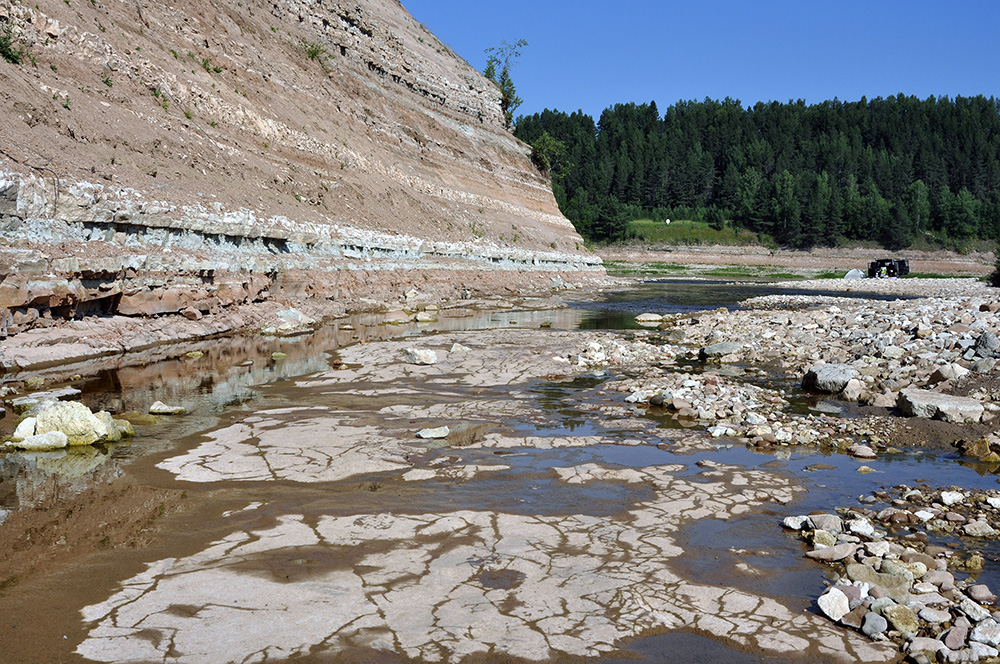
(589,55)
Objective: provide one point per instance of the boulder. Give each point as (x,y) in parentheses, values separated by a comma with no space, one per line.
(75,420)
(916,402)
(981,593)
(291,318)
(829,378)
(973,610)
(114,432)
(795,522)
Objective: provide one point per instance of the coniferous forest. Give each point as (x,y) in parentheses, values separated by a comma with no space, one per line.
(891,170)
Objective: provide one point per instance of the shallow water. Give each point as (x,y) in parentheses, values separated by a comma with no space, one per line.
(236,379)
(618,309)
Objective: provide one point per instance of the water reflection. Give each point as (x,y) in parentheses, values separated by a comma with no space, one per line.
(618,309)
(209,377)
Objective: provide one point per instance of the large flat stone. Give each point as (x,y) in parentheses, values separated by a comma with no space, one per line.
(916,402)
(896,587)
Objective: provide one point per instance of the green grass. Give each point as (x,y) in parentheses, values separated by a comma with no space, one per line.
(686,232)
(624,268)
(9,49)
(749,272)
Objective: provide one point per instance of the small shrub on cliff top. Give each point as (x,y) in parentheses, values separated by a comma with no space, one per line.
(9,50)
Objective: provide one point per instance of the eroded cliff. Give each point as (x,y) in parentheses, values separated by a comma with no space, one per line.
(201,155)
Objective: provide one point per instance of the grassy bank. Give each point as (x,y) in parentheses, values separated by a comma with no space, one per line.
(688,232)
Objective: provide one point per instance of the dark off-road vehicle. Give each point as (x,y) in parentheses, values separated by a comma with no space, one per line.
(887,267)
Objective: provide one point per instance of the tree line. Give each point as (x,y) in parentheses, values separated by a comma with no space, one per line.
(889,170)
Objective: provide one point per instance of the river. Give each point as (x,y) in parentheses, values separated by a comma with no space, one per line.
(292,513)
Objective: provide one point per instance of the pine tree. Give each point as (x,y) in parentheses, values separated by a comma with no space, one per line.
(503,58)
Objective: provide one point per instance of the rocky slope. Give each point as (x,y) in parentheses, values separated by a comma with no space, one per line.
(195,157)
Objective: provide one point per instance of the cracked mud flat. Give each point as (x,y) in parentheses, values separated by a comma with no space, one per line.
(508,539)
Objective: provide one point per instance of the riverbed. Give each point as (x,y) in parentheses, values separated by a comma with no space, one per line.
(294,513)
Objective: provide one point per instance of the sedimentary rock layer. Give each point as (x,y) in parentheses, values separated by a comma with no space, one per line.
(190,156)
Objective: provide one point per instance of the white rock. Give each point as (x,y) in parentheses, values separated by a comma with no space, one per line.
(974,611)
(160,408)
(852,391)
(74,419)
(834,604)
(987,631)
(861,527)
(950,498)
(978,529)
(915,402)
(436,432)
(637,397)
(859,451)
(982,651)
(459,348)
(934,615)
(419,356)
(292,318)
(795,522)
(24,430)
(53,440)
(783,436)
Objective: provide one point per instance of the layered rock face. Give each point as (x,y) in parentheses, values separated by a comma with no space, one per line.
(195,156)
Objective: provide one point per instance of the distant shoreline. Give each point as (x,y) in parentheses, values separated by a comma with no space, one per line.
(805,263)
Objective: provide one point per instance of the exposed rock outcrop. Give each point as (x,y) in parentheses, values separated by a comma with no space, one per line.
(188,158)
